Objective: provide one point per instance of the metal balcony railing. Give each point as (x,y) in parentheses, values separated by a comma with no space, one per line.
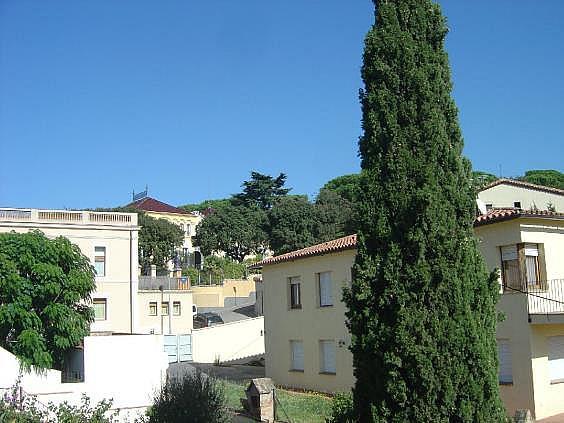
(543,298)
(164,283)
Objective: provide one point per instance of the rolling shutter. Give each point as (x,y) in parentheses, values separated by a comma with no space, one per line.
(556,358)
(325,289)
(297,355)
(505,365)
(328,357)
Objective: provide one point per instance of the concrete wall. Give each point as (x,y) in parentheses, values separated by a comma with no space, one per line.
(504,195)
(121,278)
(228,342)
(310,324)
(127,368)
(170,324)
(223,295)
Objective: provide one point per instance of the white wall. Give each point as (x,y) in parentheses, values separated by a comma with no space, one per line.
(230,341)
(127,368)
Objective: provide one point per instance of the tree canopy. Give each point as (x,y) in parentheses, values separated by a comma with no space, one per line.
(158,239)
(45,287)
(421,308)
(236,230)
(549,178)
(261,190)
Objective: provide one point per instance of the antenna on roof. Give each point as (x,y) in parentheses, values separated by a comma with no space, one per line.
(141,194)
(500,174)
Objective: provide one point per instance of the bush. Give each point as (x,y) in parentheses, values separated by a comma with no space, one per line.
(342,409)
(194,398)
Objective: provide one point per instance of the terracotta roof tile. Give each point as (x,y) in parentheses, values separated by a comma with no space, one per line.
(345,243)
(150,204)
(522,184)
(498,215)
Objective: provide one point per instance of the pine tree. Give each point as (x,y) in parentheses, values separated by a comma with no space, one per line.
(422,305)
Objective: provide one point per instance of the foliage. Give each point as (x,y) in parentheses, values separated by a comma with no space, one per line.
(206,204)
(548,178)
(481,179)
(44,284)
(342,410)
(18,408)
(347,186)
(225,266)
(292,224)
(421,308)
(262,190)
(158,239)
(236,230)
(335,216)
(194,398)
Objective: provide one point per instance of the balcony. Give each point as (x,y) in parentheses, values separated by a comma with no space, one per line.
(545,300)
(35,216)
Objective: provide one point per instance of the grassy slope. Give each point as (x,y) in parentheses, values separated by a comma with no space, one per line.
(300,407)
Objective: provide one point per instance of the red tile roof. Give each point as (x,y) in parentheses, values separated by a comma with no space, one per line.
(345,243)
(150,204)
(498,215)
(522,184)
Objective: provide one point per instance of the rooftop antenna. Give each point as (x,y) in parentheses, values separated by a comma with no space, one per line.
(500,174)
(141,194)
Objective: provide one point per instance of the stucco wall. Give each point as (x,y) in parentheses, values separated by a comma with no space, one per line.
(229,341)
(171,324)
(309,324)
(506,195)
(216,295)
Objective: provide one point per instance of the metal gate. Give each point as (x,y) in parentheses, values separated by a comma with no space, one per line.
(178,347)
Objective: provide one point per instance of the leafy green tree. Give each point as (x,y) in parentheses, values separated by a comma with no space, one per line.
(481,179)
(334,216)
(292,224)
(206,205)
(548,178)
(421,308)
(45,285)
(347,186)
(235,230)
(158,239)
(262,190)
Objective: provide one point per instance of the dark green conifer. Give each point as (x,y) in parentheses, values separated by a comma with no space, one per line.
(422,305)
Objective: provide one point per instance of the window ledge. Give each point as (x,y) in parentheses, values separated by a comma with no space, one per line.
(506,383)
(326,306)
(556,381)
(296,308)
(296,371)
(328,373)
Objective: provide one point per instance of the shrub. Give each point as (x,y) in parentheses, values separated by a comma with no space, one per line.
(193,398)
(342,409)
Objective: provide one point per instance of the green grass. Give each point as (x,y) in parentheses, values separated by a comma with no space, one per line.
(299,407)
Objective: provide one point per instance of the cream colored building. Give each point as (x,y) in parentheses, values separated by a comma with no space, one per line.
(306,338)
(505,193)
(109,240)
(187,221)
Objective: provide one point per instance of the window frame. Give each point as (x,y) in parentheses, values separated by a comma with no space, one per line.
(97,250)
(500,344)
(156,308)
(330,289)
(174,306)
(295,295)
(165,306)
(293,367)
(323,368)
(104,303)
(520,268)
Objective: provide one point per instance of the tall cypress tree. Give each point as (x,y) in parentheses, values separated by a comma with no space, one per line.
(422,305)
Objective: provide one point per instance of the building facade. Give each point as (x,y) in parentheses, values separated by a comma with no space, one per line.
(307,341)
(110,241)
(506,193)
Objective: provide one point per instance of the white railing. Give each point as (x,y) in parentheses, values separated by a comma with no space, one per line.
(68,216)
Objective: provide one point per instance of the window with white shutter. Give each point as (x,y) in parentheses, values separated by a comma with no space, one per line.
(328,362)
(297,358)
(325,289)
(556,359)
(505,365)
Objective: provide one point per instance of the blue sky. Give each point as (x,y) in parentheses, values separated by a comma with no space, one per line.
(100,97)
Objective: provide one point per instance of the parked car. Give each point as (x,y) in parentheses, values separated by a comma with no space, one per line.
(204,320)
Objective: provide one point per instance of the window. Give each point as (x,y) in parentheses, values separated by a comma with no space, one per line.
(517,204)
(556,359)
(523,266)
(100,308)
(100,261)
(295,295)
(297,358)
(327,357)
(176,308)
(325,289)
(153,308)
(188,229)
(489,206)
(505,365)
(164,309)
